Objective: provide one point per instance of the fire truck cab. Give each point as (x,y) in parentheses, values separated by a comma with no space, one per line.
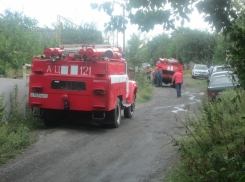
(89,79)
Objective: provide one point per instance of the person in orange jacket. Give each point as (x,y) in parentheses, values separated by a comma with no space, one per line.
(178,79)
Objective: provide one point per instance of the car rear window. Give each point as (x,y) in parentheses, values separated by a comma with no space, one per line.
(201,67)
(224,69)
(221,80)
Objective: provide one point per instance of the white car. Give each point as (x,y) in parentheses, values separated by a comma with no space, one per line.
(200,71)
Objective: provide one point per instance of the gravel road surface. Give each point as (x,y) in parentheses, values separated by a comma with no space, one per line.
(137,151)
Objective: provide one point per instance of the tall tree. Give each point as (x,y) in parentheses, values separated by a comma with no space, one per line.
(194,45)
(160,47)
(236,51)
(18,41)
(85,33)
(148,13)
(220,50)
(137,52)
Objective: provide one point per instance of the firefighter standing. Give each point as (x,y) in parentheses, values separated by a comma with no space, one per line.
(153,78)
(157,78)
(160,77)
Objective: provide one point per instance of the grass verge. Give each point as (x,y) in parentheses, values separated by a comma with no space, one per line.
(15,129)
(187,73)
(213,149)
(145,88)
(197,83)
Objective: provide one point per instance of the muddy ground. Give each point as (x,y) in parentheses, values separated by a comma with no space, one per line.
(139,150)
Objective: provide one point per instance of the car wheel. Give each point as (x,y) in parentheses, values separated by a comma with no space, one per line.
(115,115)
(129,111)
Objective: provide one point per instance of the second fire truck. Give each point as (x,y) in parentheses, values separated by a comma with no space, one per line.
(168,67)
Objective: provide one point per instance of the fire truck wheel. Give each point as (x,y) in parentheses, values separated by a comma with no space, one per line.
(50,123)
(50,118)
(115,115)
(129,111)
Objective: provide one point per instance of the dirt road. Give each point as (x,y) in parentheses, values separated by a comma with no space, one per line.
(136,151)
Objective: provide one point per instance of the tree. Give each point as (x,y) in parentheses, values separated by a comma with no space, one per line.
(220,50)
(194,45)
(160,47)
(21,39)
(84,33)
(117,22)
(236,51)
(16,40)
(185,45)
(148,13)
(134,51)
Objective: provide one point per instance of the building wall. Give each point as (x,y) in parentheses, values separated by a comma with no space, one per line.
(7,87)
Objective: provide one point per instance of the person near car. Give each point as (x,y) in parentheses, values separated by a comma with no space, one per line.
(211,69)
(178,79)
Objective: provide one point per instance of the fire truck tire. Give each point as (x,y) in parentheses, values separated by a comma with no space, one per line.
(115,115)
(129,111)
(50,123)
(50,118)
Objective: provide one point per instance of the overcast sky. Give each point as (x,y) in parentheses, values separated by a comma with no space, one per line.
(77,11)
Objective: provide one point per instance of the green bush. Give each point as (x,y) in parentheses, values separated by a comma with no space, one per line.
(15,128)
(145,88)
(214,147)
(2,107)
(197,83)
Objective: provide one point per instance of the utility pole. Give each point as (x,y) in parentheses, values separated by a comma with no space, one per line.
(113,38)
(117,37)
(124,29)
(58,31)
(177,46)
(208,52)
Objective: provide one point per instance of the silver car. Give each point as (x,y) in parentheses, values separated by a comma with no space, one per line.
(199,71)
(220,69)
(220,83)
(218,74)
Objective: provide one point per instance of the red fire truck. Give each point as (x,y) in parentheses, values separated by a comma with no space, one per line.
(168,67)
(90,79)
